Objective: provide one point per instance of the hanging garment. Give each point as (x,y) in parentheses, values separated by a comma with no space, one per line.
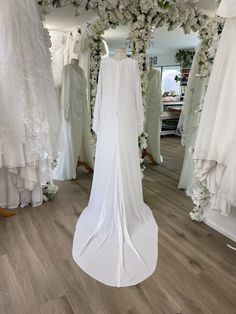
(115,239)
(215,145)
(190,120)
(75,133)
(29,115)
(153,114)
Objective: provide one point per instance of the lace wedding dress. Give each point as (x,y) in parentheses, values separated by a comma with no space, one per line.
(115,240)
(29,116)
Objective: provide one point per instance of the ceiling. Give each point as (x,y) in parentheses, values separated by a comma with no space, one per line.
(65,17)
(163,40)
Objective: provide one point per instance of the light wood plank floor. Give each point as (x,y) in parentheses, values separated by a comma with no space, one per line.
(196,272)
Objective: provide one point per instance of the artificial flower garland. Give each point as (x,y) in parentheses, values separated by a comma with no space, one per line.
(144,16)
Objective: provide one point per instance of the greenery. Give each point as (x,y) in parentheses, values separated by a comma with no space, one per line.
(184,57)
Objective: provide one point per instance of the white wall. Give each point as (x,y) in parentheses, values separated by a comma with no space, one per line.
(165,58)
(223,224)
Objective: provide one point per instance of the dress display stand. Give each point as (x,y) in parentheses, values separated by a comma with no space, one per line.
(153,117)
(75,148)
(30,117)
(6,213)
(115,240)
(215,145)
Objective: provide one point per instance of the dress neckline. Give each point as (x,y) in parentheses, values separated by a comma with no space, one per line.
(118,61)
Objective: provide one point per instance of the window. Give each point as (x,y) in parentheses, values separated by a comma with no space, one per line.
(168,74)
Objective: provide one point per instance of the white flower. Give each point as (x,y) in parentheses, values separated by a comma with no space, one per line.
(53,188)
(196,214)
(45,198)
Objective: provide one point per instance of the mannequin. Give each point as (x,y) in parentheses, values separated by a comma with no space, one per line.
(120,54)
(75,133)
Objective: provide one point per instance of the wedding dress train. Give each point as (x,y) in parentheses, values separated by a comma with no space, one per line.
(115,240)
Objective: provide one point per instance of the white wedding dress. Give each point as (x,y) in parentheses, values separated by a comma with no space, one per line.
(215,149)
(115,240)
(29,115)
(190,123)
(75,132)
(153,114)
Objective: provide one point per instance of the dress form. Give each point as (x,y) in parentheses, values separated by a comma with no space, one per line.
(120,54)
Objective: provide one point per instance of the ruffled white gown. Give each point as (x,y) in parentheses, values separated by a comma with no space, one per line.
(29,115)
(215,149)
(75,133)
(115,240)
(153,114)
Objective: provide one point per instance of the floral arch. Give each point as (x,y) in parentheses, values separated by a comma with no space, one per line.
(144,16)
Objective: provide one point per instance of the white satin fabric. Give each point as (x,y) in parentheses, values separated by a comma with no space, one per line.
(190,123)
(115,240)
(153,114)
(29,115)
(75,132)
(215,146)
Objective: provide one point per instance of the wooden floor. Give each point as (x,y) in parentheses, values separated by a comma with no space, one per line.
(196,272)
